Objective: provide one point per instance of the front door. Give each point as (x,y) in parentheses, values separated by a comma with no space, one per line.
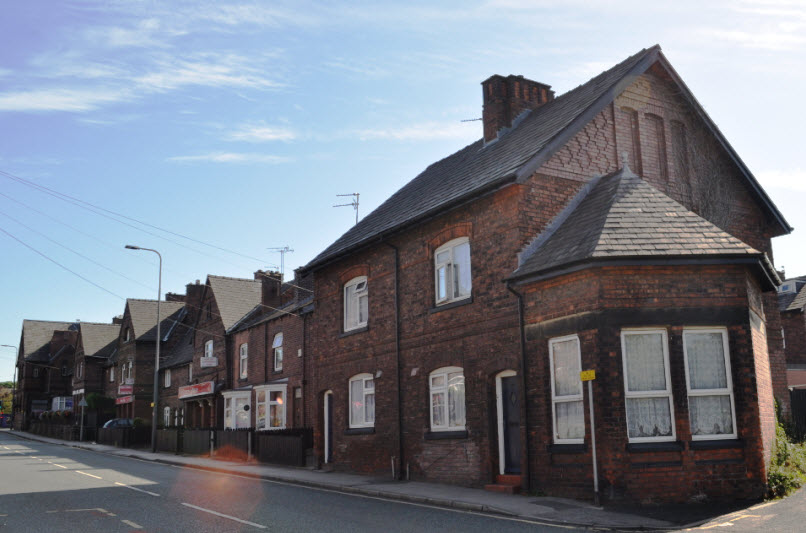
(511,424)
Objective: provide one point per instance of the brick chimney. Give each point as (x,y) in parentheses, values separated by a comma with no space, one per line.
(174,297)
(507,97)
(271,283)
(193,298)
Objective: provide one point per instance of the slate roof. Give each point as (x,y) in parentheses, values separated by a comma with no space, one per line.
(622,216)
(260,314)
(235,297)
(182,352)
(36,336)
(514,156)
(144,317)
(99,340)
(797,301)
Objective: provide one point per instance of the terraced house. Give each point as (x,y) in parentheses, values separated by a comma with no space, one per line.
(609,233)
(611,228)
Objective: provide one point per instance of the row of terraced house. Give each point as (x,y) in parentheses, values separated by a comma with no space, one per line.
(444,336)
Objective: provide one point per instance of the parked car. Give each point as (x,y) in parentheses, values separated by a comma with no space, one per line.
(119,423)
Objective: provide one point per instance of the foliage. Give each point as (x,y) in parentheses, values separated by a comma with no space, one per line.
(137,422)
(100,402)
(788,465)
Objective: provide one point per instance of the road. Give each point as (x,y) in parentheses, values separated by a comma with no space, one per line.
(48,487)
(778,516)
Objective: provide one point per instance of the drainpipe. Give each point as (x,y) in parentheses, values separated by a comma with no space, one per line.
(265,352)
(524,400)
(397,360)
(304,356)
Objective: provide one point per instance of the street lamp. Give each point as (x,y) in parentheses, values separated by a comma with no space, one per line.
(14,383)
(157,355)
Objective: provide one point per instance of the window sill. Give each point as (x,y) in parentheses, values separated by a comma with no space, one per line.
(446,435)
(715,444)
(567,448)
(243,380)
(277,371)
(354,331)
(639,447)
(359,431)
(443,307)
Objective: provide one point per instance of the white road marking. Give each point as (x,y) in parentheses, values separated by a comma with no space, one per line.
(223,515)
(60,466)
(86,474)
(132,524)
(762,505)
(138,490)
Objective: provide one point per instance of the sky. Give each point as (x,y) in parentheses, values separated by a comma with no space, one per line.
(215,131)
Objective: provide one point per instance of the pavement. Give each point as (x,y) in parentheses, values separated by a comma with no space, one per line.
(540,509)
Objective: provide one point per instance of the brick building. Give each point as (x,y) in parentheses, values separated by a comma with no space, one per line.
(44,344)
(95,345)
(129,372)
(424,360)
(792,304)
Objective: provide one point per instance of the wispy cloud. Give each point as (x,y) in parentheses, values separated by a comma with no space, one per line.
(231,157)
(763,40)
(74,100)
(259,133)
(209,70)
(425,131)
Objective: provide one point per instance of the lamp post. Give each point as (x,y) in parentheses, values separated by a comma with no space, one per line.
(157,355)
(14,383)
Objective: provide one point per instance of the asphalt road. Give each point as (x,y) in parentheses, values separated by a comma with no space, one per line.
(776,516)
(47,487)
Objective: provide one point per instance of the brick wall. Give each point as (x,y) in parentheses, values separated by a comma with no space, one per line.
(596,305)
(794,324)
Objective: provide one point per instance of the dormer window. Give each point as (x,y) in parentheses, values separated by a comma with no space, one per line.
(356,303)
(452,277)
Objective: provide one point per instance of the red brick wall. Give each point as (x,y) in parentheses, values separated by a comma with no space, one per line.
(596,305)
(794,324)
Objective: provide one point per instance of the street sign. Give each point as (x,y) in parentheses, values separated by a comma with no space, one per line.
(82,403)
(587,375)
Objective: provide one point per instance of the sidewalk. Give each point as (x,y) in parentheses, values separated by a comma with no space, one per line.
(548,510)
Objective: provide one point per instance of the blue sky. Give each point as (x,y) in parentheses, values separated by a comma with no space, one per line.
(237,124)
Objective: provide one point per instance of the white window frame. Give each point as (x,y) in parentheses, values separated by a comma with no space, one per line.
(445,372)
(578,397)
(365,391)
(277,347)
(728,391)
(127,335)
(36,371)
(649,394)
(450,267)
(243,361)
(267,403)
(190,372)
(352,303)
(166,416)
(111,374)
(167,378)
(230,403)
(208,348)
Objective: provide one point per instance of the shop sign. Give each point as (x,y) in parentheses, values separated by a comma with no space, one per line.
(123,400)
(208,362)
(125,389)
(195,390)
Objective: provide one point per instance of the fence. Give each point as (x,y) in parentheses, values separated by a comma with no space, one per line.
(124,437)
(287,448)
(55,431)
(169,440)
(196,441)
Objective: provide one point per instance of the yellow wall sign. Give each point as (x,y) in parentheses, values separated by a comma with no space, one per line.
(587,375)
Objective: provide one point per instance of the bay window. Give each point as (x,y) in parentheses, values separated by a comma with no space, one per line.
(271,402)
(237,409)
(568,412)
(647,385)
(710,388)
